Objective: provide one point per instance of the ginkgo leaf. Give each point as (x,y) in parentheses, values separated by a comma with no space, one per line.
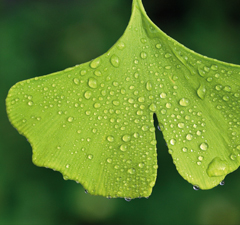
(94,122)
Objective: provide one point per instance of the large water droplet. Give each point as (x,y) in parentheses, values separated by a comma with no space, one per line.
(92,82)
(95,63)
(115,61)
(201,92)
(184,102)
(217,167)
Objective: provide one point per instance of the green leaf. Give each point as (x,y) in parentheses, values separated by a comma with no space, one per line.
(94,122)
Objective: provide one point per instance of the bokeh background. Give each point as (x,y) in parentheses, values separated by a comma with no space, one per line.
(39,37)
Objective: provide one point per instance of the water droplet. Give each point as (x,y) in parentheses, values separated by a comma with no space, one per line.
(70,119)
(141,165)
(158,46)
(232,157)
(76,81)
(110,138)
(30,103)
(67,166)
(121,46)
(145,128)
(109,160)
(141,99)
(128,199)
(131,171)
(115,61)
(90,156)
(184,102)
(92,83)
(153,107)
(163,95)
(123,148)
(143,40)
(95,63)
(116,102)
(98,73)
(86,192)
(201,92)
(181,125)
(189,137)
(184,149)
(217,167)
(97,105)
(149,86)
(195,188)
(83,72)
(126,138)
(88,94)
(222,183)
(143,55)
(168,55)
(225,98)
(204,146)
(172,141)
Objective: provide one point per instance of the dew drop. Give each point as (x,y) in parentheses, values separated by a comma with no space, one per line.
(217,167)
(67,166)
(92,83)
(145,128)
(30,103)
(195,188)
(97,105)
(116,102)
(184,149)
(172,141)
(141,165)
(95,63)
(83,72)
(158,46)
(98,73)
(86,192)
(76,81)
(141,99)
(109,160)
(181,125)
(204,146)
(126,138)
(131,171)
(90,156)
(163,95)
(153,107)
(70,119)
(110,138)
(222,183)
(127,199)
(121,46)
(143,55)
(88,94)
(189,137)
(184,102)
(149,86)
(123,148)
(115,61)
(201,92)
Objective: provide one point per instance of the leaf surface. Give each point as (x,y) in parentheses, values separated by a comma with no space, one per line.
(94,122)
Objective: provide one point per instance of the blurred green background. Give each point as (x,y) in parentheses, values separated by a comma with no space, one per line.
(44,36)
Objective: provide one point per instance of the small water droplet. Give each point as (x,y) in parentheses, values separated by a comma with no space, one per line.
(115,61)
(86,192)
(204,146)
(163,95)
(76,81)
(109,160)
(95,63)
(121,46)
(149,86)
(153,107)
(127,199)
(110,138)
(189,137)
(88,94)
(184,102)
(116,102)
(143,55)
(132,171)
(141,99)
(201,92)
(70,119)
(126,138)
(83,72)
(97,105)
(90,156)
(172,141)
(141,165)
(30,103)
(158,46)
(181,125)
(123,148)
(168,55)
(184,149)
(195,188)
(92,82)
(222,183)
(67,166)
